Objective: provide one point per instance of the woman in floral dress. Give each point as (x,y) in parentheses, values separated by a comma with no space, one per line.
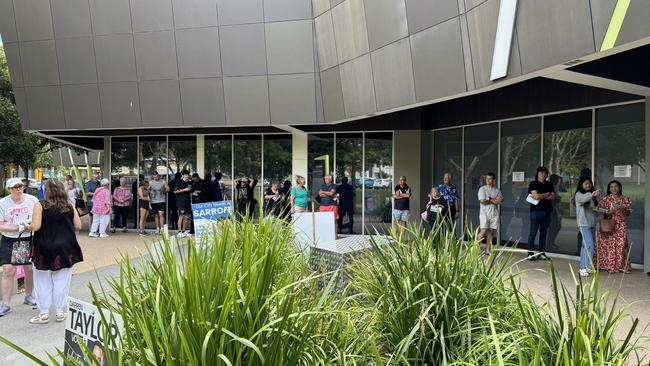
(612,248)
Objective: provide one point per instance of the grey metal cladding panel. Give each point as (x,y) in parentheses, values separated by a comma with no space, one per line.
(81,106)
(110,17)
(320,6)
(33,19)
(39,63)
(290,47)
(320,115)
(423,14)
(240,11)
(76,58)
(7,21)
(350,30)
(21,106)
(202,101)
(636,24)
(194,13)
(115,58)
(247,100)
(278,10)
(565,28)
(358,87)
(334,3)
(325,41)
(292,98)
(332,94)
(151,15)
(160,102)
(120,105)
(438,61)
(601,13)
(393,75)
(471,4)
(198,52)
(243,50)
(482,26)
(12,53)
(44,107)
(71,18)
(155,55)
(386,22)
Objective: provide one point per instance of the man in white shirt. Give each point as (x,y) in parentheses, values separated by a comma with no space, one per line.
(490,198)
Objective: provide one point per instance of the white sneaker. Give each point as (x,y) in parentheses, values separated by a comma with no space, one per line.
(181,234)
(583,272)
(93,235)
(157,231)
(103,235)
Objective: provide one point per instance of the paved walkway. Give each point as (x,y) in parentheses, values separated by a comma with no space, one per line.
(101,254)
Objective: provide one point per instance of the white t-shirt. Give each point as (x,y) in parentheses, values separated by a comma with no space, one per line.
(485,193)
(16,214)
(72,194)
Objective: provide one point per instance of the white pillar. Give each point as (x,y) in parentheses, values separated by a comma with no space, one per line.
(299,162)
(200,155)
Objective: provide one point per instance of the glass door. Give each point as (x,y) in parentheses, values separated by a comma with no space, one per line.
(124,165)
(349,160)
(378,182)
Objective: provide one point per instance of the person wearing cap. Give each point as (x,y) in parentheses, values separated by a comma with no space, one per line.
(159,190)
(16,213)
(91,186)
(41,187)
(101,209)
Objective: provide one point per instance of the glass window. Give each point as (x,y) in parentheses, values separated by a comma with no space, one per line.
(620,155)
(248,162)
(182,154)
(481,157)
(320,155)
(520,157)
(218,159)
(349,160)
(277,159)
(448,154)
(153,158)
(124,164)
(378,182)
(567,155)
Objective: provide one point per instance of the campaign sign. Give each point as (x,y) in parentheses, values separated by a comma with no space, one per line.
(205,214)
(85,328)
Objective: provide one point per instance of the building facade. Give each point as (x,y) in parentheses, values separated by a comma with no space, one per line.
(371,90)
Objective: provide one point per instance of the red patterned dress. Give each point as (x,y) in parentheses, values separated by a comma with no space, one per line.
(612,248)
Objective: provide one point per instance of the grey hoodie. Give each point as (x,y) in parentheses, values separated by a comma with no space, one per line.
(585,210)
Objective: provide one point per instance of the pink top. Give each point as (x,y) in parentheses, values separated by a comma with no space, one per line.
(123,194)
(102,201)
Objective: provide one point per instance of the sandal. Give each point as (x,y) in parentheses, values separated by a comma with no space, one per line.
(60,317)
(40,319)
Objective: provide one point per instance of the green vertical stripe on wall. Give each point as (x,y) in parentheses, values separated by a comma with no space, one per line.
(615,24)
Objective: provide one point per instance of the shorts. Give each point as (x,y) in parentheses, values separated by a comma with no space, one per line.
(185,212)
(299,209)
(488,221)
(144,204)
(334,209)
(401,215)
(158,207)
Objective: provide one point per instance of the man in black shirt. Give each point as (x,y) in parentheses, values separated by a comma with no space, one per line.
(402,198)
(199,189)
(327,194)
(346,203)
(246,197)
(183,203)
(541,193)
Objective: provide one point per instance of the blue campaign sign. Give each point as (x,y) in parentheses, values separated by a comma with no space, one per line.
(204,214)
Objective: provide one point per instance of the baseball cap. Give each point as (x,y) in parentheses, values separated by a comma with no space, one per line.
(13,182)
(46,176)
(103,182)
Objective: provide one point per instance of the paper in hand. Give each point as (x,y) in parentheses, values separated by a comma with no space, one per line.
(531,200)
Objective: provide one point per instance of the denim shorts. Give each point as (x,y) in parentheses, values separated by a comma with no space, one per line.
(401,215)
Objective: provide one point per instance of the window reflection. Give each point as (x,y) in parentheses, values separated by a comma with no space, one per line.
(349,159)
(218,159)
(378,182)
(320,153)
(124,164)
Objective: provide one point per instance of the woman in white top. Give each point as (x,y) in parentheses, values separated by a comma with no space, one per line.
(72,191)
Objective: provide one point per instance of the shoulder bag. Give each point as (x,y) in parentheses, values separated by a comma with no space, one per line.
(21,252)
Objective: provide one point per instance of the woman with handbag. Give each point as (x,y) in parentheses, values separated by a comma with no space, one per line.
(586,202)
(56,250)
(16,213)
(613,249)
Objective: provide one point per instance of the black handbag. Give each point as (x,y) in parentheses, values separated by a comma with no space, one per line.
(21,251)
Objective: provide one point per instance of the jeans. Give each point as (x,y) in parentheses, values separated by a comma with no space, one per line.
(121,213)
(539,220)
(587,249)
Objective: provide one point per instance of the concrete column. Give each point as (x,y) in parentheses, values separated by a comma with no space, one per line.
(413,151)
(299,162)
(200,155)
(646,231)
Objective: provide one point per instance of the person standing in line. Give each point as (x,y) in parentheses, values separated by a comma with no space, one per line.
(159,189)
(450,193)
(56,250)
(586,200)
(102,208)
(171,197)
(41,187)
(273,200)
(436,208)
(613,250)
(183,204)
(299,196)
(27,188)
(246,197)
(542,193)
(401,210)
(16,213)
(122,197)
(285,209)
(91,186)
(200,192)
(215,187)
(346,204)
(144,203)
(71,192)
(327,194)
(490,198)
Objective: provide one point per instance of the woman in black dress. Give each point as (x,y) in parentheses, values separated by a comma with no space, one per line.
(56,250)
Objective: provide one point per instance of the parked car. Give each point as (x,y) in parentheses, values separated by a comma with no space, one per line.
(382,183)
(369,182)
